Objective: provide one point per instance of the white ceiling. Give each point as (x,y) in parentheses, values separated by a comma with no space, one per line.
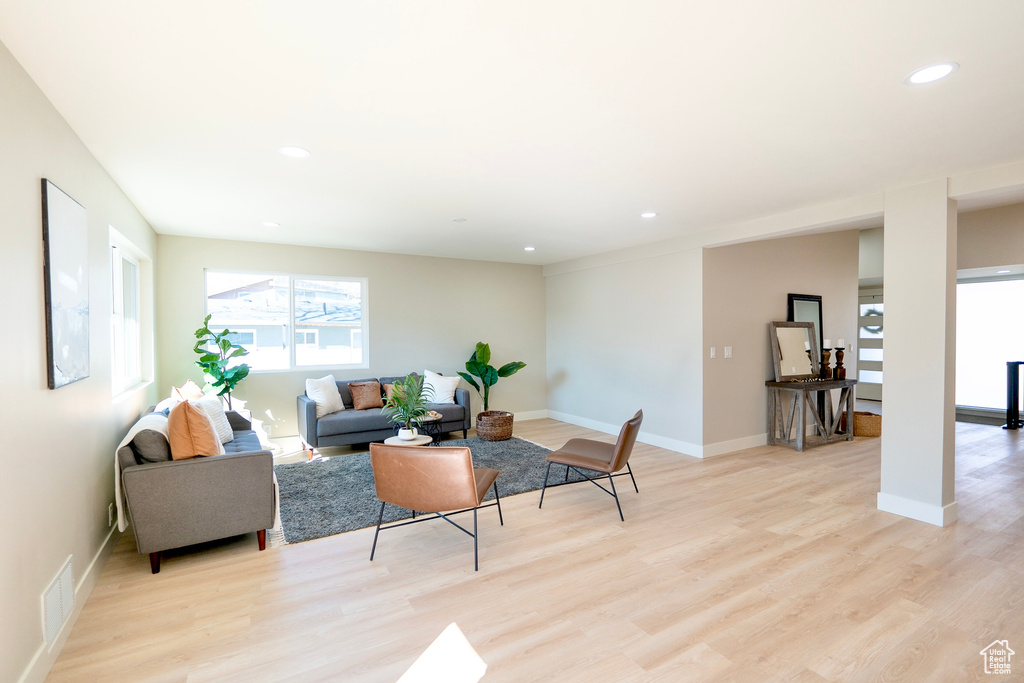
(552,124)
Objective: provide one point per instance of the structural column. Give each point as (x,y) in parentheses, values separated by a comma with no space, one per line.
(920,354)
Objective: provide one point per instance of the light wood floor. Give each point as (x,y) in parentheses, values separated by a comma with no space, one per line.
(762,565)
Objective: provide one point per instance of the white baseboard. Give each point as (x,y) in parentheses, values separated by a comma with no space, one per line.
(676,445)
(723,447)
(532,415)
(44,657)
(914,509)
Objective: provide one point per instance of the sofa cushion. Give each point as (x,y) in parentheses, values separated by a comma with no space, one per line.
(324,392)
(190,432)
(450,412)
(244,442)
(365,395)
(214,409)
(351,421)
(443,388)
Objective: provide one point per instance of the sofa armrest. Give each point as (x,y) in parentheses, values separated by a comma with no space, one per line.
(183,502)
(237,422)
(307,419)
(462,398)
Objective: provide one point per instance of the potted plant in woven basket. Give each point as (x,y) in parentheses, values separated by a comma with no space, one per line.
(407,405)
(491,425)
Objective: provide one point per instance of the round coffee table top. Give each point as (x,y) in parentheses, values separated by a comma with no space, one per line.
(420,440)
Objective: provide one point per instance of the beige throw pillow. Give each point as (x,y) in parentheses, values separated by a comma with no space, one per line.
(365,395)
(443,387)
(325,392)
(190,432)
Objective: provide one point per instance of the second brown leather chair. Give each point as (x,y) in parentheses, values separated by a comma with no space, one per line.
(436,479)
(597,456)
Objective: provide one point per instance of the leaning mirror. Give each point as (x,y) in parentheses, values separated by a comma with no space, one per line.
(794,350)
(805,308)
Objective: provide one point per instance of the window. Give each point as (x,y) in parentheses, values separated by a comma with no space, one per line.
(288,322)
(989,332)
(131,323)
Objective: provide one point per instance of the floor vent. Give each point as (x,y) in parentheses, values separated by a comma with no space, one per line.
(58,602)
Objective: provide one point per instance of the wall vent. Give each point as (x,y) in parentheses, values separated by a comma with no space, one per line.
(58,602)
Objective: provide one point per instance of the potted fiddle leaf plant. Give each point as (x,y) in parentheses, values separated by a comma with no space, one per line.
(491,425)
(216,352)
(407,405)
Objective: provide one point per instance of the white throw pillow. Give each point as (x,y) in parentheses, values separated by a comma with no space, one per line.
(214,409)
(443,387)
(325,392)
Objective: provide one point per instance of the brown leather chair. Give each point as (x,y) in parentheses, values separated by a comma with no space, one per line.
(438,479)
(597,456)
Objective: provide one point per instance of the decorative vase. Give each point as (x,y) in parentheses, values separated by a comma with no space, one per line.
(407,434)
(494,425)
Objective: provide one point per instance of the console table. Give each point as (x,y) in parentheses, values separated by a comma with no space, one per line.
(784,420)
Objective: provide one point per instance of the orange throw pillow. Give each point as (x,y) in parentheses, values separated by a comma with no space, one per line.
(190,432)
(365,395)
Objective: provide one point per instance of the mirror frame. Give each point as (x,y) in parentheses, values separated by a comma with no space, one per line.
(791,300)
(777,351)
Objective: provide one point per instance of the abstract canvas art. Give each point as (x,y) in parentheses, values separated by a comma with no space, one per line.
(66,278)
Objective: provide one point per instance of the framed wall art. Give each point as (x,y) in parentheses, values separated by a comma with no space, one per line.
(66,279)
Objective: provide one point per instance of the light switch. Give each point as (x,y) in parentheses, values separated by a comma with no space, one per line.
(712,351)
(728,352)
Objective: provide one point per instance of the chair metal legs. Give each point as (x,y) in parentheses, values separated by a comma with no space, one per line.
(444,516)
(593,480)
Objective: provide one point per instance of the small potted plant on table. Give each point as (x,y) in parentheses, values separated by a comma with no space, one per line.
(491,425)
(407,405)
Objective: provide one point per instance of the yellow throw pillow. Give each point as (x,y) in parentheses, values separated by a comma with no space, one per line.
(365,395)
(189,391)
(190,432)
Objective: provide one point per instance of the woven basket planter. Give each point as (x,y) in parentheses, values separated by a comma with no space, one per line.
(494,425)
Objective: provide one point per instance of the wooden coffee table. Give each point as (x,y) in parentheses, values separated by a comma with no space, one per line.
(420,440)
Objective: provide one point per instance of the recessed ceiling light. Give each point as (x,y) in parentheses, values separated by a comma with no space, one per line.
(294,152)
(931,73)
(1001,272)
(528,248)
(648,214)
(458,220)
(271,224)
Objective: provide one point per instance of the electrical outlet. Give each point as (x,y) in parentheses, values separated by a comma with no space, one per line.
(110,515)
(712,351)
(728,352)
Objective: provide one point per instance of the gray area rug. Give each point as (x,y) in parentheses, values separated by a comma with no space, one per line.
(331,496)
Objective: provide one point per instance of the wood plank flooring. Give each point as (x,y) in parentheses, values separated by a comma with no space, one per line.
(761,565)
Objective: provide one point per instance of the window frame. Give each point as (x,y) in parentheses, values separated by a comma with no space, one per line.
(290,331)
(120,250)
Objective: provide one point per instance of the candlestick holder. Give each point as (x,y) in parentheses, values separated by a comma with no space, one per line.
(840,371)
(826,370)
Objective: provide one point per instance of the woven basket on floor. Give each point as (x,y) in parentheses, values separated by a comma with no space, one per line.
(494,425)
(866,424)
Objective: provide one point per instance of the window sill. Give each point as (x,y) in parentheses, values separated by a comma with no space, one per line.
(129,392)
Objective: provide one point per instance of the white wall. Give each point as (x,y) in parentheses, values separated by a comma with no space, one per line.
(58,445)
(991,237)
(871,255)
(424,313)
(626,336)
(745,288)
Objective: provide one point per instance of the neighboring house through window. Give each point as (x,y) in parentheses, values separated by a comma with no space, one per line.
(288,321)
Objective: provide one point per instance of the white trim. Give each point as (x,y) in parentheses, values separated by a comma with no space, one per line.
(532,415)
(44,657)
(915,509)
(723,447)
(683,447)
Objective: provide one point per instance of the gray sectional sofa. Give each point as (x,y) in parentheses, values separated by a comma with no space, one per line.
(350,426)
(175,503)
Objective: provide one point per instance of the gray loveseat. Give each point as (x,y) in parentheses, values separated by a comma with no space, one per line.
(350,426)
(175,503)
